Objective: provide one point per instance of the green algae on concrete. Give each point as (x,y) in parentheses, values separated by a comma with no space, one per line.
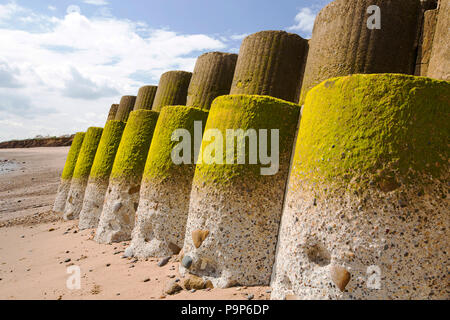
(145,97)
(81,174)
(381,127)
(368,191)
(159,163)
(126,106)
(166,184)
(172,89)
(87,153)
(107,149)
(134,146)
(112,112)
(69,168)
(99,177)
(72,157)
(247,112)
(122,197)
(240,205)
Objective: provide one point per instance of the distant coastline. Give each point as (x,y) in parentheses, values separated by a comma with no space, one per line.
(37,142)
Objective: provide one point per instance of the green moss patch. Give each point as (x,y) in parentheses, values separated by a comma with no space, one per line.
(134,146)
(248,112)
(107,149)
(72,156)
(87,152)
(383,128)
(159,163)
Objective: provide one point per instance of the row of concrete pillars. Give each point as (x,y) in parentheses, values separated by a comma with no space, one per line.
(342,197)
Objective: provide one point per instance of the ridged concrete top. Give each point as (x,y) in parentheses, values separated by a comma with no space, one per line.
(145,97)
(342,44)
(113,112)
(172,89)
(125,107)
(212,77)
(271,63)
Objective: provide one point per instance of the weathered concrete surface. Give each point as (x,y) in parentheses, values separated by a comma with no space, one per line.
(145,97)
(234,210)
(271,63)
(122,197)
(367,210)
(125,107)
(112,112)
(342,44)
(439,66)
(212,77)
(172,89)
(426,42)
(66,177)
(166,187)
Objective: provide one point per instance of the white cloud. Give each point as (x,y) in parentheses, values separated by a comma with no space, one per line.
(304,21)
(8,10)
(52,8)
(64,73)
(96,2)
(238,37)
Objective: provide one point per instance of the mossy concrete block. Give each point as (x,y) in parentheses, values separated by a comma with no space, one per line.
(271,63)
(166,186)
(402,120)
(81,173)
(246,112)
(134,146)
(87,153)
(342,44)
(107,149)
(99,175)
(72,157)
(239,207)
(112,112)
(71,161)
(125,107)
(145,98)
(122,197)
(159,164)
(439,66)
(172,89)
(212,77)
(368,192)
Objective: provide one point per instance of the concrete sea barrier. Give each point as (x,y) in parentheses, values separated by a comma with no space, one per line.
(99,175)
(343,44)
(80,176)
(172,89)
(125,107)
(166,185)
(271,63)
(237,197)
(366,213)
(145,98)
(66,178)
(122,196)
(212,77)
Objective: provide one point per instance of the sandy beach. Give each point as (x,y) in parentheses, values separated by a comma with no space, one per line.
(37,247)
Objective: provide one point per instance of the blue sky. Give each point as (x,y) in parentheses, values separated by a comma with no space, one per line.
(63,63)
